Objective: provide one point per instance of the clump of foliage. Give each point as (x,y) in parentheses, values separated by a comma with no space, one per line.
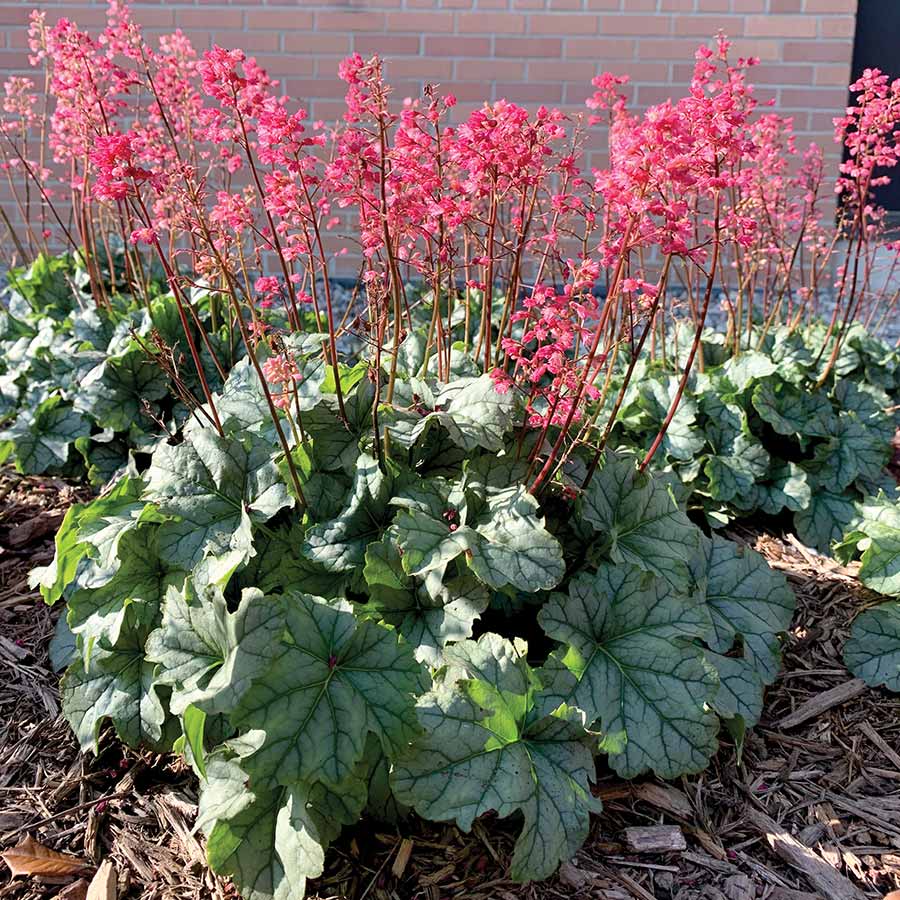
(424,634)
(386,558)
(758,434)
(84,386)
(873,649)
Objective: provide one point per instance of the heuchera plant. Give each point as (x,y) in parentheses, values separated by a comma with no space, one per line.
(756,436)
(384,556)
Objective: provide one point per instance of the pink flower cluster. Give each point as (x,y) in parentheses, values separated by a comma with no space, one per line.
(282,374)
(869,129)
(541,269)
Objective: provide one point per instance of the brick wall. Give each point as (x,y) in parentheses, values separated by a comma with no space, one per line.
(529,51)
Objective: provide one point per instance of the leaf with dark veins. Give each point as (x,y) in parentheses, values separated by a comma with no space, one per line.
(427,622)
(748,599)
(340,544)
(873,650)
(214,488)
(118,684)
(208,655)
(271,840)
(333,680)
(489,745)
(138,576)
(639,522)
(629,660)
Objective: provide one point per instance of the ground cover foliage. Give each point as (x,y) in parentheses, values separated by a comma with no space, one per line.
(758,434)
(391,649)
(441,547)
(83,386)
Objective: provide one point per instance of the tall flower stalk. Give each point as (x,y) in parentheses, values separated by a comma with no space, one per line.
(477,235)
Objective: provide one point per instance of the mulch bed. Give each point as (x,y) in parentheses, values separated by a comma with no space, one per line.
(819,778)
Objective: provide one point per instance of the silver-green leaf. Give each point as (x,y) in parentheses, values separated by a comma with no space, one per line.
(628,659)
(489,745)
(333,680)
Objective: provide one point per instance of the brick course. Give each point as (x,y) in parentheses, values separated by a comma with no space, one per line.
(531,51)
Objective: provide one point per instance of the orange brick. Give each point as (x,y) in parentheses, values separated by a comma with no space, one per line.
(837,27)
(154,18)
(420,67)
(785,6)
(327,110)
(252,42)
(837,74)
(386,44)
(14,61)
(489,69)
(420,22)
(600,48)
(649,71)
(286,63)
(562,23)
(679,5)
(636,25)
(814,98)
(682,73)
(780,26)
(474,92)
(708,26)
(782,74)
(479,47)
(830,6)
(576,92)
(569,70)
(652,94)
(816,51)
(666,48)
(765,94)
(765,51)
(719,6)
(490,23)
(286,20)
(530,92)
(324,67)
(316,42)
(86,16)
(203,18)
(823,122)
(350,21)
(527,47)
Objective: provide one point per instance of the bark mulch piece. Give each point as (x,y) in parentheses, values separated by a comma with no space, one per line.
(811,809)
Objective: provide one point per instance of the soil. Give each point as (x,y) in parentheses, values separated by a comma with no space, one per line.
(811,808)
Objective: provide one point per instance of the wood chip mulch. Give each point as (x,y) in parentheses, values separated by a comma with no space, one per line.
(812,809)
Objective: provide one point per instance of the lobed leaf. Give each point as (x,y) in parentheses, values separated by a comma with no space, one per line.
(333,680)
(639,522)
(628,660)
(489,745)
(872,651)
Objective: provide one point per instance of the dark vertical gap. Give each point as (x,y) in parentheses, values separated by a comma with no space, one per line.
(877,46)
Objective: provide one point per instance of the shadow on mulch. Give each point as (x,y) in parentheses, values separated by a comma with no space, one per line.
(829,775)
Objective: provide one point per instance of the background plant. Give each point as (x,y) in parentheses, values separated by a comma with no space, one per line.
(758,436)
